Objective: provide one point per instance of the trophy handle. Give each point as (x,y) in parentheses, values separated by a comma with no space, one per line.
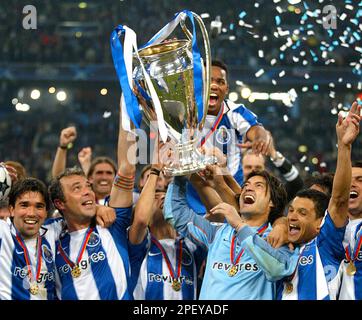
(207,69)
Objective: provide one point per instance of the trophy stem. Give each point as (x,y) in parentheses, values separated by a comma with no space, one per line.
(190,160)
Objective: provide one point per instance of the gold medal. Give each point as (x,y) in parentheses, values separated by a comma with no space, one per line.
(288,287)
(233,271)
(34,288)
(176,285)
(76,272)
(351,269)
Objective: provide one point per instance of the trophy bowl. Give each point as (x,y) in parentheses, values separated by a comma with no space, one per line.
(170,68)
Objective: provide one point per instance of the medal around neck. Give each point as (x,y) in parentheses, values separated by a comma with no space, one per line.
(351,269)
(76,272)
(34,288)
(233,271)
(176,285)
(288,288)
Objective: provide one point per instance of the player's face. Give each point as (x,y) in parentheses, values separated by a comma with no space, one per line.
(255,197)
(252,162)
(218,90)
(303,224)
(80,204)
(162,181)
(29,213)
(355,197)
(102,179)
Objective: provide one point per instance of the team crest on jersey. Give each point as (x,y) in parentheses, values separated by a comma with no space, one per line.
(94,240)
(186,257)
(47,253)
(223,135)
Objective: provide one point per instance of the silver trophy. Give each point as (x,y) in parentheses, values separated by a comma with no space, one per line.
(170,67)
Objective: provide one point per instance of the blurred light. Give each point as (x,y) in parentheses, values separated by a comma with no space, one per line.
(306,169)
(323,165)
(78,34)
(35,94)
(285,118)
(245,93)
(233,96)
(294,1)
(291,8)
(82,5)
(107,114)
(315,160)
(302,148)
(22,107)
(51,90)
(61,96)
(259,95)
(297,11)
(204,15)
(104,91)
(302,159)
(14,101)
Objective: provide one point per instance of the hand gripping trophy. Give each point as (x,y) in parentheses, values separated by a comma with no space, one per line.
(174,86)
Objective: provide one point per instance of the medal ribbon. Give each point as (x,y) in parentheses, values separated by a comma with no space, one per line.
(291,277)
(27,257)
(167,259)
(81,251)
(214,126)
(232,249)
(348,248)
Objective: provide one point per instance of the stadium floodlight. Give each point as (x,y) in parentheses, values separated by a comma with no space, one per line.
(104,91)
(51,90)
(245,92)
(35,94)
(233,96)
(61,96)
(22,107)
(14,101)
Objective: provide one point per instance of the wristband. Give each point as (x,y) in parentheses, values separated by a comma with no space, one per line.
(63,147)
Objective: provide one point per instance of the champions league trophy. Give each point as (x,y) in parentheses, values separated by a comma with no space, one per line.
(175,87)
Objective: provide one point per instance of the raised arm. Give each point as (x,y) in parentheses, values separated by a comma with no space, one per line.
(147,204)
(183,218)
(67,136)
(122,189)
(85,159)
(347,130)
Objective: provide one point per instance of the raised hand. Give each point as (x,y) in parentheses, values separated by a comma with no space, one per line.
(85,155)
(348,128)
(67,135)
(230,214)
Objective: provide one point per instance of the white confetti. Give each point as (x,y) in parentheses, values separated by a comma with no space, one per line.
(343,16)
(261,54)
(259,73)
(281,74)
(305,89)
(273,62)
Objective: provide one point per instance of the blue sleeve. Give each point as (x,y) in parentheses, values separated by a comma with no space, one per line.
(243,119)
(183,218)
(330,241)
(123,218)
(276,263)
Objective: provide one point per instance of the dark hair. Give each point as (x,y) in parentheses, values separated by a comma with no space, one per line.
(357,163)
(319,199)
(55,188)
(324,180)
(220,64)
(278,194)
(99,160)
(28,185)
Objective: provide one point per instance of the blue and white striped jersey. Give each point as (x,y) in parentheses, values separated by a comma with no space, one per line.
(249,281)
(318,266)
(105,264)
(234,124)
(155,281)
(14,283)
(351,285)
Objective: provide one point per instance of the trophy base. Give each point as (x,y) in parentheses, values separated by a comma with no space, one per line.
(189,160)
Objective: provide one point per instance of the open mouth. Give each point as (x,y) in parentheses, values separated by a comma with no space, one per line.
(103,183)
(353,195)
(87,203)
(30,221)
(248,199)
(213,99)
(293,229)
